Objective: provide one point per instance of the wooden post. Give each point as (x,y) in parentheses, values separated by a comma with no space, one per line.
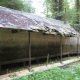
(24,64)
(0,67)
(77,47)
(29,52)
(65,14)
(61,49)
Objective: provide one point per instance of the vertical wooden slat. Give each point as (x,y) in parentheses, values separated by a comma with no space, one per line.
(67,45)
(77,46)
(29,51)
(61,49)
(68,52)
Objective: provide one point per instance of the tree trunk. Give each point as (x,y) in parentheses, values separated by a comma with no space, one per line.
(77,11)
(60,17)
(58,9)
(55,8)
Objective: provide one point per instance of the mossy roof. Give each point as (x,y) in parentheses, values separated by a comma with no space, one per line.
(15,19)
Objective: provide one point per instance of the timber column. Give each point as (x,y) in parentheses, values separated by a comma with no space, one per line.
(0,67)
(29,51)
(61,49)
(77,46)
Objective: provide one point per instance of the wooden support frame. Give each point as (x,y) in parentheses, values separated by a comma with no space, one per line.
(0,67)
(60,49)
(77,46)
(29,51)
(24,64)
(67,50)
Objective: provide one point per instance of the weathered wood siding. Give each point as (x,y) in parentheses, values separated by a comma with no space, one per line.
(15,45)
(72,43)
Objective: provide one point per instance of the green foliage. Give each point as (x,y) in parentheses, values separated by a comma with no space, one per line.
(18,5)
(70,15)
(55,74)
(77,6)
(76,16)
(48,11)
(54,9)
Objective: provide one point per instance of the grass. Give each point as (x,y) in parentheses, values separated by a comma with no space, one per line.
(54,74)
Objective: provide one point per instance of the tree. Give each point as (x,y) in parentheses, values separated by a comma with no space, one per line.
(17,5)
(69,13)
(58,9)
(55,7)
(77,15)
(47,8)
(77,11)
(61,10)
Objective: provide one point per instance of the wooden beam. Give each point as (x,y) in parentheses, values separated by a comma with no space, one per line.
(29,51)
(27,59)
(60,49)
